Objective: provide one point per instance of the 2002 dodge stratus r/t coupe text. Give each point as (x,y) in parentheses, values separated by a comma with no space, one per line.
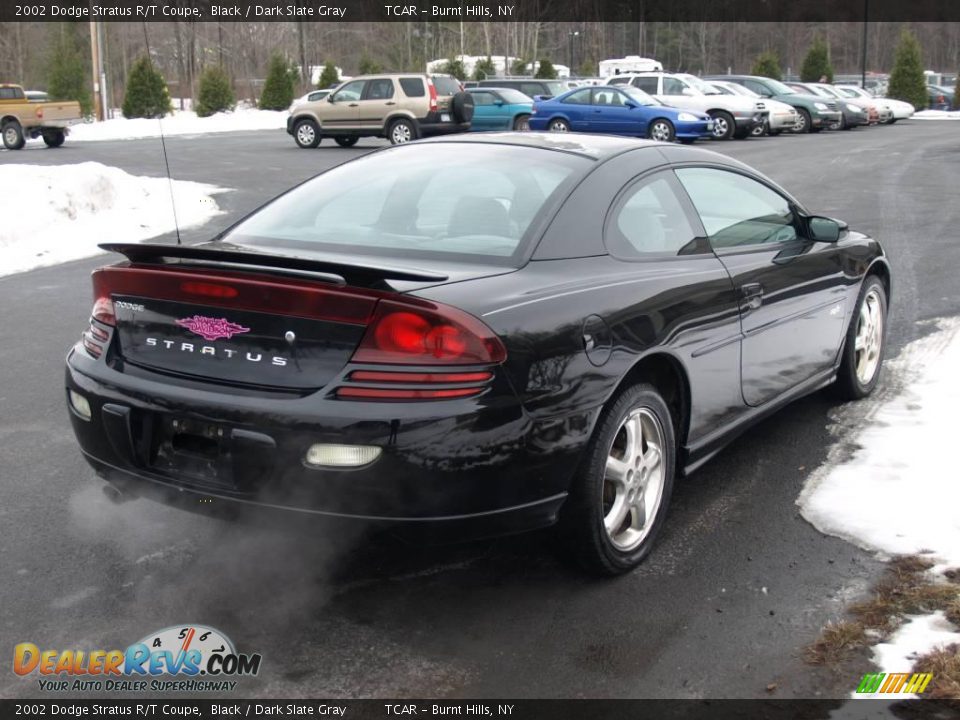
(492,333)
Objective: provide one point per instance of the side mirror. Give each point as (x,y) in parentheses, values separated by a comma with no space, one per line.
(330,99)
(630,104)
(686,91)
(824,229)
(499,103)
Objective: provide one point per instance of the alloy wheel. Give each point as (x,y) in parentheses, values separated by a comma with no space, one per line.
(660,131)
(720,127)
(401,134)
(868,342)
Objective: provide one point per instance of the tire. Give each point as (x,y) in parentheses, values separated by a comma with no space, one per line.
(521,123)
(54,138)
(401,131)
(596,499)
(345,141)
(661,129)
(865,343)
(724,125)
(761,130)
(462,106)
(891,121)
(13,138)
(741,134)
(774,133)
(803,121)
(306,133)
(558,125)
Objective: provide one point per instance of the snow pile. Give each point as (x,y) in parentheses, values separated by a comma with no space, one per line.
(894,487)
(937,115)
(63,212)
(180,123)
(899,492)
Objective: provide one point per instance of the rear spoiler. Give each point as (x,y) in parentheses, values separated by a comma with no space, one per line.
(330,271)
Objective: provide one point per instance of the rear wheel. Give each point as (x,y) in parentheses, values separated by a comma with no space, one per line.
(54,138)
(723,125)
(762,129)
(401,131)
(662,130)
(865,343)
(13,135)
(558,125)
(306,133)
(803,121)
(521,123)
(619,499)
(345,141)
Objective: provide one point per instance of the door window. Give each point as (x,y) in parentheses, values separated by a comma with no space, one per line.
(672,86)
(350,91)
(647,84)
(483,98)
(737,210)
(648,218)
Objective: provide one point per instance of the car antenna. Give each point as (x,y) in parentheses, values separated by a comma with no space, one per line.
(163,144)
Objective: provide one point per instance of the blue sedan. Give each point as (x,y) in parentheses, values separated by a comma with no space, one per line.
(621,110)
(500,109)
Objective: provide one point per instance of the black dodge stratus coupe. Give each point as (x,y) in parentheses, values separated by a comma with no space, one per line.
(492,333)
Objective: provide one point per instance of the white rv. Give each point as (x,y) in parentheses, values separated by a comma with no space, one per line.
(628,64)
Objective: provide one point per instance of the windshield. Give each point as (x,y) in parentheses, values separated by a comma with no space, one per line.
(704,87)
(639,96)
(415,202)
(778,87)
(556,88)
(847,92)
(739,89)
(514,97)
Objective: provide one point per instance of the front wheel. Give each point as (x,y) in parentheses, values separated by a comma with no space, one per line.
(558,125)
(865,343)
(306,133)
(401,131)
(345,141)
(661,130)
(723,125)
(54,138)
(13,138)
(619,498)
(803,121)
(521,123)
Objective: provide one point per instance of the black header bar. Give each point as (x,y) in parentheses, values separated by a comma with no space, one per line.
(482,10)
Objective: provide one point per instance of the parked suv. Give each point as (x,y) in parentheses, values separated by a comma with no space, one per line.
(400,107)
(733,116)
(815,112)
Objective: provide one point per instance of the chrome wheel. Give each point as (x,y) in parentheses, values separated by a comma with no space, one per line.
(801,125)
(868,342)
(720,127)
(401,133)
(633,481)
(660,131)
(306,134)
(559,126)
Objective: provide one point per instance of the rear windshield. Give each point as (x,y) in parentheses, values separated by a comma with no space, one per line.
(446,85)
(443,201)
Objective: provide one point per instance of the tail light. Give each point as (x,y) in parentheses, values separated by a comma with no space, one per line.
(533,110)
(40,113)
(433,96)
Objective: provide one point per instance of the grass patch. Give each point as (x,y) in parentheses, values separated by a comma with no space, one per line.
(944,663)
(906,588)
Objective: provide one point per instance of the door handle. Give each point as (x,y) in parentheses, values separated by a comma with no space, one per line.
(390,103)
(752,294)
(353,105)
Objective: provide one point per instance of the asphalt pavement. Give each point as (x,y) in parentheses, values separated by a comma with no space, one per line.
(737,585)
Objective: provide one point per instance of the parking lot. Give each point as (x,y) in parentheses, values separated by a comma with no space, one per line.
(340,616)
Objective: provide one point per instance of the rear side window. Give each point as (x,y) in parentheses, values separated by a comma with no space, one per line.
(379,89)
(580,97)
(649,219)
(446,85)
(413,87)
(647,84)
(532,89)
(737,210)
(672,86)
(618,81)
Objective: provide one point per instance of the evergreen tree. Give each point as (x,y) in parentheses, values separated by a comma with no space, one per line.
(484,68)
(68,69)
(546,70)
(278,88)
(519,67)
(147,95)
(454,67)
(368,66)
(907,81)
(588,68)
(216,92)
(329,76)
(767,65)
(816,64)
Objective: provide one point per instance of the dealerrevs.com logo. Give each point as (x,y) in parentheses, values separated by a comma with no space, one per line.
(177,659)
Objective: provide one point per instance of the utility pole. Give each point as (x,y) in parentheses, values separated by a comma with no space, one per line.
(863,43)
(102,74)
(95,67)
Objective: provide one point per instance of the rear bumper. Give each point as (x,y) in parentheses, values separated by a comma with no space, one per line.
(429,129)
(471,463)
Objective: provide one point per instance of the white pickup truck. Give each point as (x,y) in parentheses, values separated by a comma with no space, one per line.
(733,117)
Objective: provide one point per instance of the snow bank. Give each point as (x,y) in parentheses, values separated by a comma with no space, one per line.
(180,123)
(898,492)
(937,115)
(63,212)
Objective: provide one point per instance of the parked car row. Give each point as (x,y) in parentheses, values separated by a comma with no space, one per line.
(658,105)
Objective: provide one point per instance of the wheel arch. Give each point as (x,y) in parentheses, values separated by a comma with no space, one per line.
(8,118)
(881,268)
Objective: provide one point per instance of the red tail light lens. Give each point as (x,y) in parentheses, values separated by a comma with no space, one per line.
(433,96)
(433,335)
(103,311)
(208,289)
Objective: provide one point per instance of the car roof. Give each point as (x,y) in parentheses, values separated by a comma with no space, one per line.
(597,147)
